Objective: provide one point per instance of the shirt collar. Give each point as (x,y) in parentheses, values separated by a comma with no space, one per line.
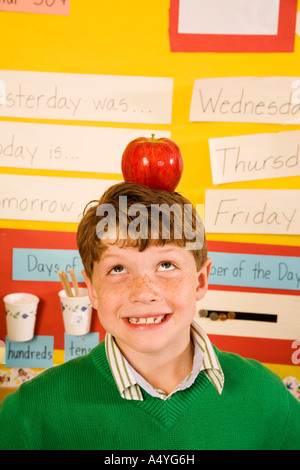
(128,381)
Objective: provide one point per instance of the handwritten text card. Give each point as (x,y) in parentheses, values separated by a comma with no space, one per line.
(77,346)
(36,264)
(70,148)
(261,271)
(252,211)
(48,198)
(37,353)
(247,99)
(47,7)
(253,157)
(83,97)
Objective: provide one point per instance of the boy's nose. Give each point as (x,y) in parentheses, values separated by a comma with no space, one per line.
(143,290)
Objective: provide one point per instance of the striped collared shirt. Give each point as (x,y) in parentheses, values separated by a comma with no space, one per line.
(129,382)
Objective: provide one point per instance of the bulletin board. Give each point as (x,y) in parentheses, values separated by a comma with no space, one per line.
(80,80)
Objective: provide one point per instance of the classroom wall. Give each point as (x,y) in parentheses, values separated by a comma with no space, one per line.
(132,39)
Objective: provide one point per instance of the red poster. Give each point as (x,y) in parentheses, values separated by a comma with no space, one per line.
(282,42)
(49,318)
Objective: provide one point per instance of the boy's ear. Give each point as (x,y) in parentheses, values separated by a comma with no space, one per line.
(203,276)
(91,290)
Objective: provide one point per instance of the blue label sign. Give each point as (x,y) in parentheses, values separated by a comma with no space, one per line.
(37,353)
(261,271)
(30,264)
(77,346)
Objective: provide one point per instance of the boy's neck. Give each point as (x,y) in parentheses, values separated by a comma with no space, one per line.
(164,372)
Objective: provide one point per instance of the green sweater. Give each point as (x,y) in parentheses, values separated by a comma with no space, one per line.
(77,406)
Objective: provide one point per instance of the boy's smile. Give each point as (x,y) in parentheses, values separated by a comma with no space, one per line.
(147,320)
(146,300)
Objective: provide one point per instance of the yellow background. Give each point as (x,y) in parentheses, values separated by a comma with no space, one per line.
(131,37)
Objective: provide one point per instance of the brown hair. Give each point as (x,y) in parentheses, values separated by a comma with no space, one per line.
(89,241)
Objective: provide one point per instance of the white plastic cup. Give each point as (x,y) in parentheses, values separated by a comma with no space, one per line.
(21,309)
(77,312)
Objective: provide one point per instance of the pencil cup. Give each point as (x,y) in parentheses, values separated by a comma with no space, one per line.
(77,312)
(21,309)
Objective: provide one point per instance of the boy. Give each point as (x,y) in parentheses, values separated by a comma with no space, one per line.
(156,382)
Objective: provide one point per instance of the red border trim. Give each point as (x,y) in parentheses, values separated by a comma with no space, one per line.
(49,321)
(49,318)
(268,350)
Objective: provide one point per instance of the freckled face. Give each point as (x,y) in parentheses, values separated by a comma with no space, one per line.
(146,300)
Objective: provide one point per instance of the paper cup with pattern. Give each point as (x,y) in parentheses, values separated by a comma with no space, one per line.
(77,312)
(21,309)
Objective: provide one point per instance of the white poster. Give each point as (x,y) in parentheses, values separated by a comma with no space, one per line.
(70,148)
(252,211)
(228,17)
(246,99)
(84,97)
(254,157)
(46,198)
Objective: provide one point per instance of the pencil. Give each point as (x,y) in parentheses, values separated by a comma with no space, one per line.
(68,291)
(75,283)
(65,283)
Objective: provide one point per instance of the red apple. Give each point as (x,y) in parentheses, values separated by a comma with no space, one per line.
(156,163)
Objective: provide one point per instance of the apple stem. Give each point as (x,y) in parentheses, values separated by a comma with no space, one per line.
(152,137)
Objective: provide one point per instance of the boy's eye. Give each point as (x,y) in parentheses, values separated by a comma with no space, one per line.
(118,269)
(166,266)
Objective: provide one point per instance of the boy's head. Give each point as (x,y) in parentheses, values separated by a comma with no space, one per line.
(138,216)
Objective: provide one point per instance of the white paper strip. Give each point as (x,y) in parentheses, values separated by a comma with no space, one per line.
(286,307)
(71,148)
(253,157)
(252,211)
(48,198)
(247,99)
(109,98)
(298,23)
(228,17)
